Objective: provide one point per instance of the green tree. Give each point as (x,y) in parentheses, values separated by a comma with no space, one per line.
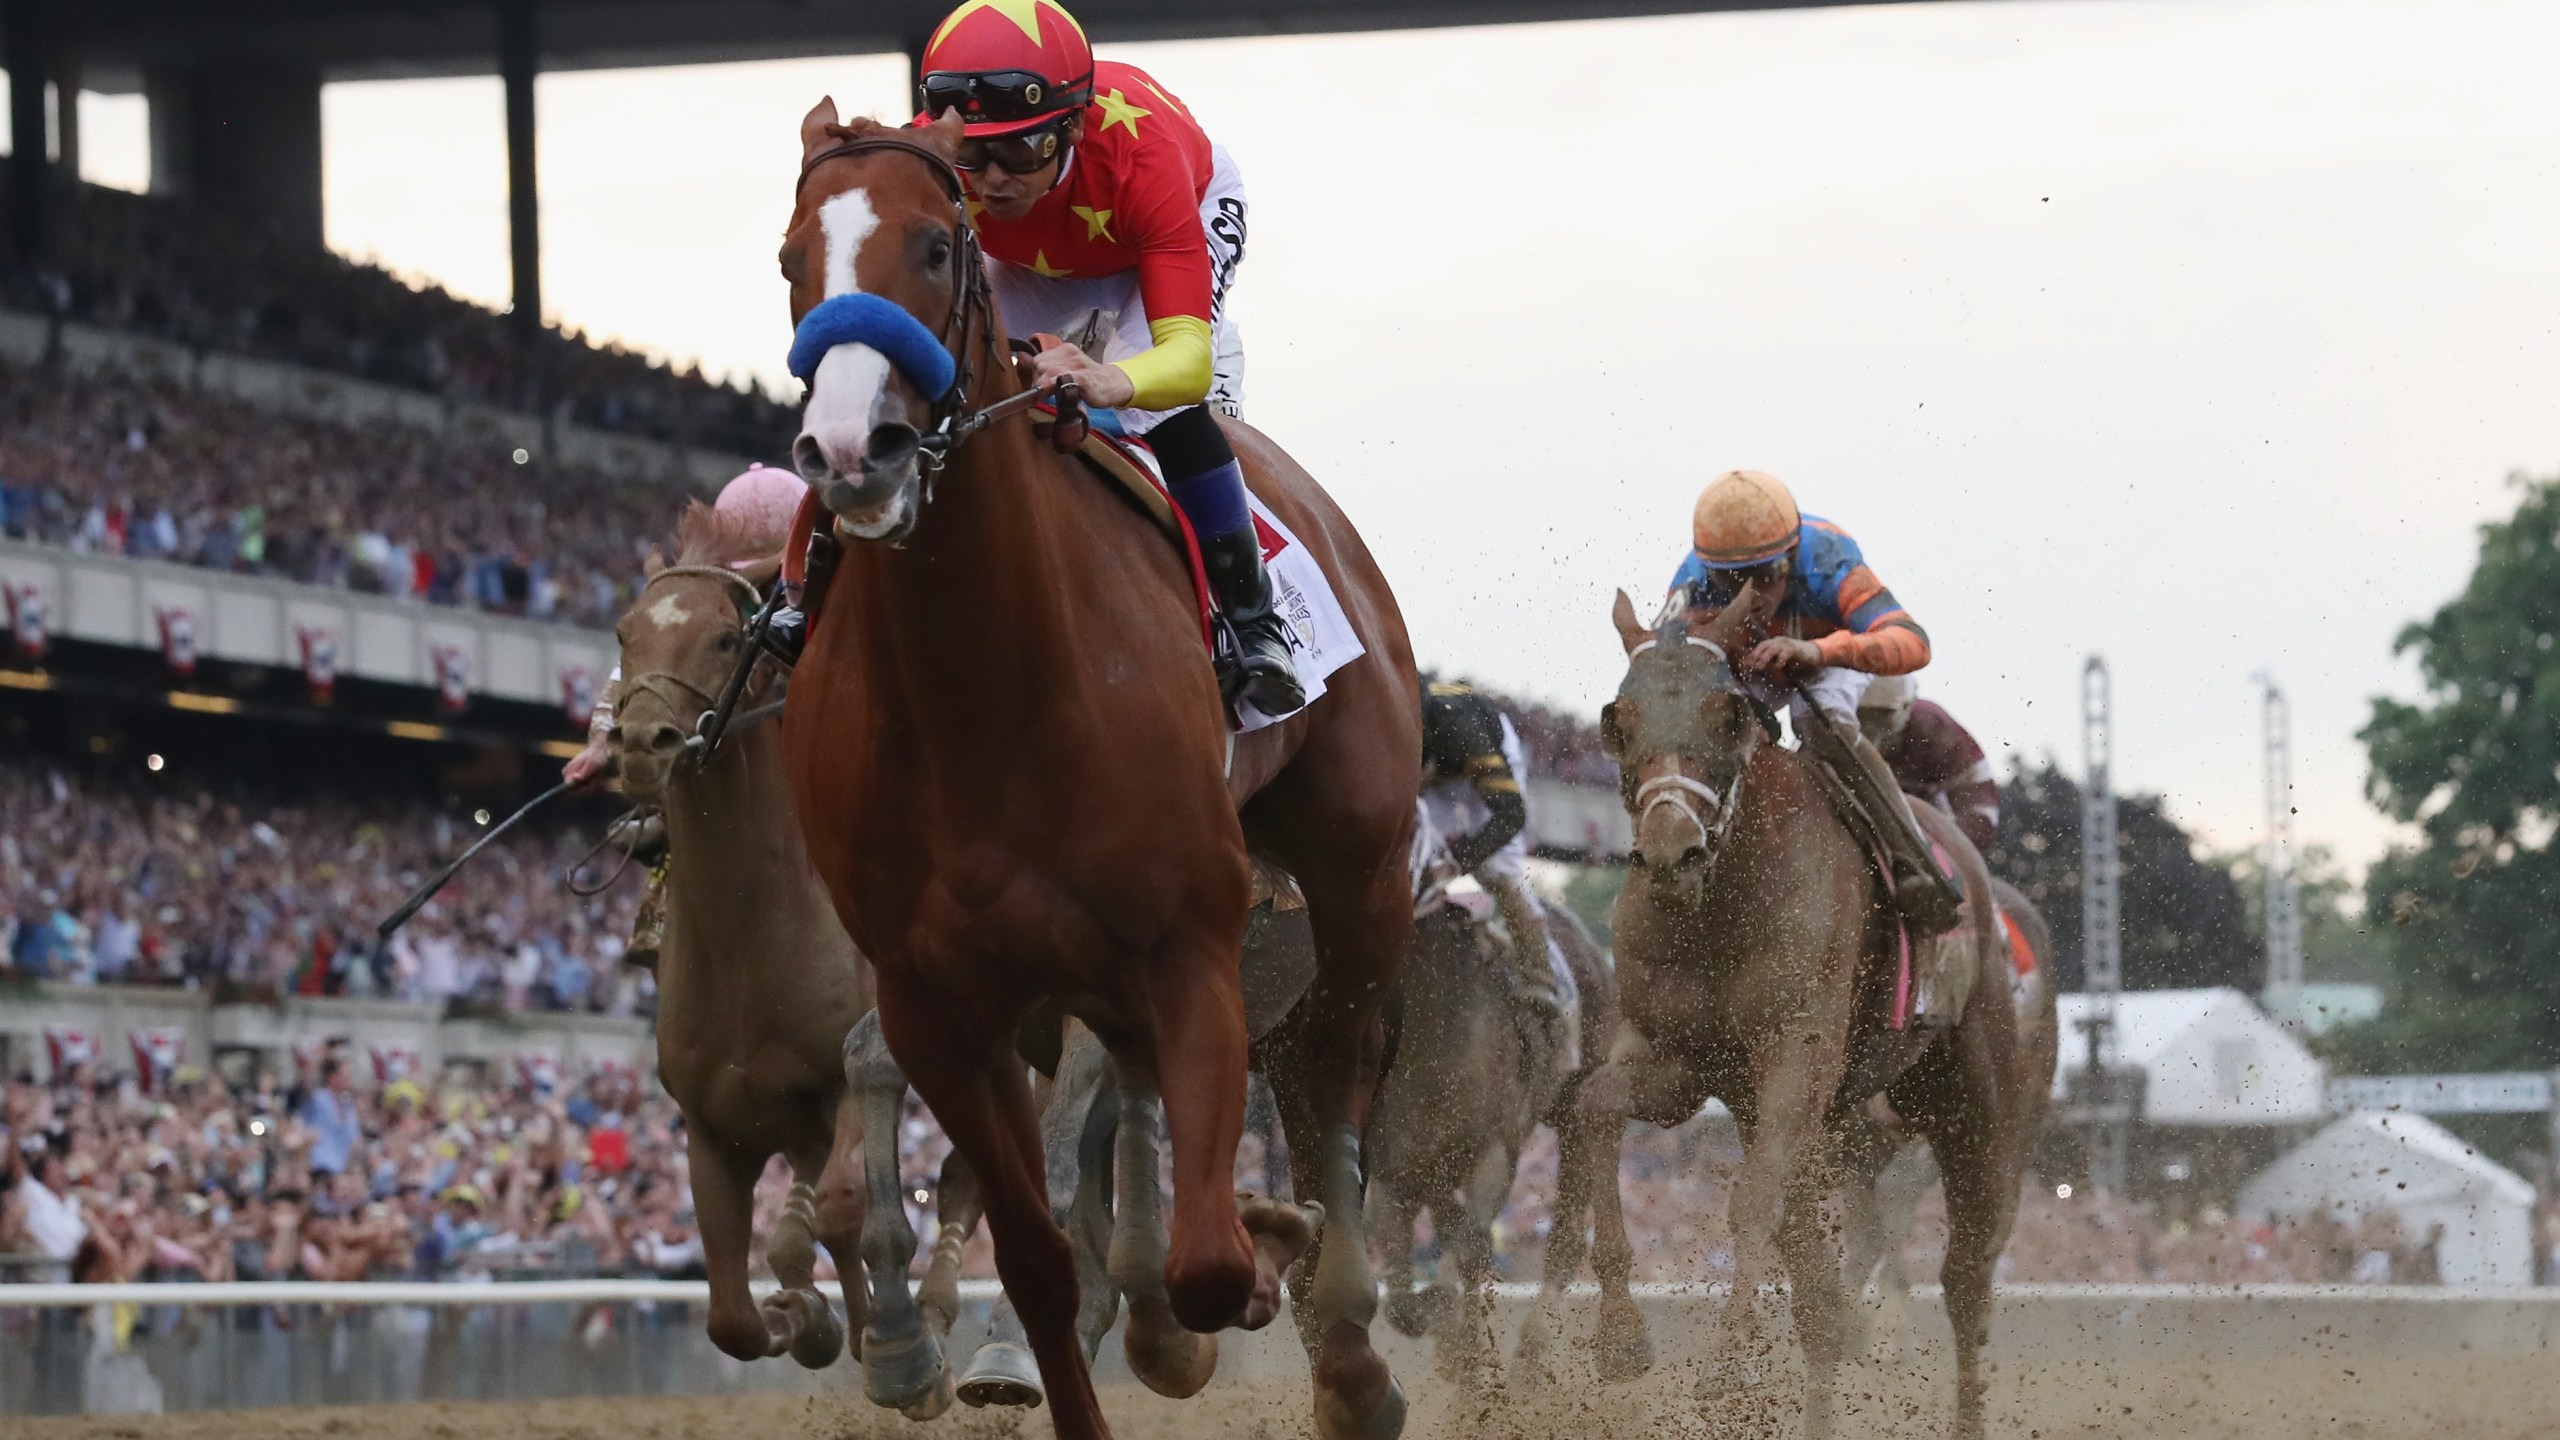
(2474,765)
(2184,922)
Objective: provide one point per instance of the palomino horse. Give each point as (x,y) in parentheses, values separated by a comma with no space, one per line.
(1014,771)
(1879,1213)
(1756,961)
(1457,1103)
(758,982)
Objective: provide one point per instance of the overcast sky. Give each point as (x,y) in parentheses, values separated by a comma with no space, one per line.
(2200,333)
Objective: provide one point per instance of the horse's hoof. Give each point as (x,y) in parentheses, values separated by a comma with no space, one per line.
(1627,1355)
(1002,1373)
(1169,1360)
(821,1338)
(1410,1312)
(904,1371)
(1385,1420)
(935,1401)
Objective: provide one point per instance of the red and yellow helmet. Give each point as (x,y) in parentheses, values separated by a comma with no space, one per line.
(1007,65)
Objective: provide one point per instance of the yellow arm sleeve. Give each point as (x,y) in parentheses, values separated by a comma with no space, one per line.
(1177,371)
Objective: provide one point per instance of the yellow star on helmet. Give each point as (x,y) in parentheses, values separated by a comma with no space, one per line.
(1097,223)
(1025,14)
(1118,111)
(1040,265)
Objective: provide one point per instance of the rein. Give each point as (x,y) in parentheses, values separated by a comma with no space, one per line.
(714,722)
(970,325)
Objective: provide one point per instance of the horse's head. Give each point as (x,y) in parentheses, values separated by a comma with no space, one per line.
(1683,732)
(884,279)
(680,642)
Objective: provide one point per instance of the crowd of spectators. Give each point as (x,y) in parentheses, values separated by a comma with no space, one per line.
(132,466)
(168,268)
(332,1179)
(153,882)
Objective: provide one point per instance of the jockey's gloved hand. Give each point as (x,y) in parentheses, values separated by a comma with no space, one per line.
(786,633)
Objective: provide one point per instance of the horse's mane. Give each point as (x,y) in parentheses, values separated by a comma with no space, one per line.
(706,537)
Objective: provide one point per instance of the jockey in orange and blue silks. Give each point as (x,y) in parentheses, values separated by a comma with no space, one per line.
(1116,226)
(1834,628)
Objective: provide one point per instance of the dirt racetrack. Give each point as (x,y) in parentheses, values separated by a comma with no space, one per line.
(2501,1397)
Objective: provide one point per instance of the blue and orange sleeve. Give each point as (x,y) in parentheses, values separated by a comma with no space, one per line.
(1876,634)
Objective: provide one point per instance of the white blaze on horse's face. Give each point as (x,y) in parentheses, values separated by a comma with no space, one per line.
(849,392)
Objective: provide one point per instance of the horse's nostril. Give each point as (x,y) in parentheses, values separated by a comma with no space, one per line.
(809,458)
(893,447)
(666,740)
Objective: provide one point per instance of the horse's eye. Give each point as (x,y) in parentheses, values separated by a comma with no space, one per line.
(938,254)
(728,640)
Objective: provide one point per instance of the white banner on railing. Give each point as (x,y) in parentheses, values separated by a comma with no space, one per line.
(2521,1092)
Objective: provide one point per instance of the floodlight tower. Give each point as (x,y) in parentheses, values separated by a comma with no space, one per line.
(2283,996)
(2101,931)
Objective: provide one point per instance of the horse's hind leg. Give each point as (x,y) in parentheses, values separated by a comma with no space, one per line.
(902,1365)
(1580,1157)
(1391,1217)
(956,1216)
(1953,1101)
(1467,1349)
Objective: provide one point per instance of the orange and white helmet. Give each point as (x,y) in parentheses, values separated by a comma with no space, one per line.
(761,502)
(1007,65)
(1743,517)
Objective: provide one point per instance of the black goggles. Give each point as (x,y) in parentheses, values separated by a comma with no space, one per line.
(1000,95)
(1022,153)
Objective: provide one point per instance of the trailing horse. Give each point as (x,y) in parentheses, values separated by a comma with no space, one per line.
(1758,962)
(1460,1097)
(1014,772)
(758,983)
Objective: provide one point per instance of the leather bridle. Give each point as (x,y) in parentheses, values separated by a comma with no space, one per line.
(970,325)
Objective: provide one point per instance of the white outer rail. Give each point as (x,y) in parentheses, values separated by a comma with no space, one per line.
(580,1292)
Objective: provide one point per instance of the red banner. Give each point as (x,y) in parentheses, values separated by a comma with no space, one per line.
(157,1053)
(27,632)
(178,639)
(320,662)
(453,678)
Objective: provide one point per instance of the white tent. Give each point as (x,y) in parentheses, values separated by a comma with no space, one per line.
(2207,1057)
(2420,1172)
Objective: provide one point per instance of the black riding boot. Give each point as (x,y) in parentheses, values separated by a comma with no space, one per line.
(1242,589)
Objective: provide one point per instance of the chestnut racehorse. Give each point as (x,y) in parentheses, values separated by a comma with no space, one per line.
(1757,963)
(1014,771)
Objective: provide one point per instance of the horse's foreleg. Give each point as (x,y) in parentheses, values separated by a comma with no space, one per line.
(956,1216)
(1578,1166)
(1812,1255)
(1466,1332)
(1391,1217)
(976,1086)
(723,1201)
(1781,1132)
(902,1365)
(1168,1359)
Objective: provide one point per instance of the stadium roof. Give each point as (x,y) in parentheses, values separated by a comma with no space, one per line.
(355,39)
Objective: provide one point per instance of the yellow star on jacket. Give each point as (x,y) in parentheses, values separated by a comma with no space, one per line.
(1130,200)
(1118,111)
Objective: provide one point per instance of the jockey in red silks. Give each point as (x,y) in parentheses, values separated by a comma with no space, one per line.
(1117,225)
(1933,756)
(1834,628)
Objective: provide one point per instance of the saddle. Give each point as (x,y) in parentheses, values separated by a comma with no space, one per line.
(1934,974)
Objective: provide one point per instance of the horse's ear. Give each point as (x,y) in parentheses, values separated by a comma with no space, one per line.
(818,127)
(1631,632)
(656,561)
(943,135)
(760,573)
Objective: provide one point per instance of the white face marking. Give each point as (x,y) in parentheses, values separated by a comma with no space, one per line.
(845,393)
(669,612)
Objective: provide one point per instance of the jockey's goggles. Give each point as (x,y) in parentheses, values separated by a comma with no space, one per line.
(1019,154)
(1001,96)
(1727,580)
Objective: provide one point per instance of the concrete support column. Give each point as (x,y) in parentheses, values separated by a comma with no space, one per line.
(26,26)
(66,113)
(241,138)
(519,59)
